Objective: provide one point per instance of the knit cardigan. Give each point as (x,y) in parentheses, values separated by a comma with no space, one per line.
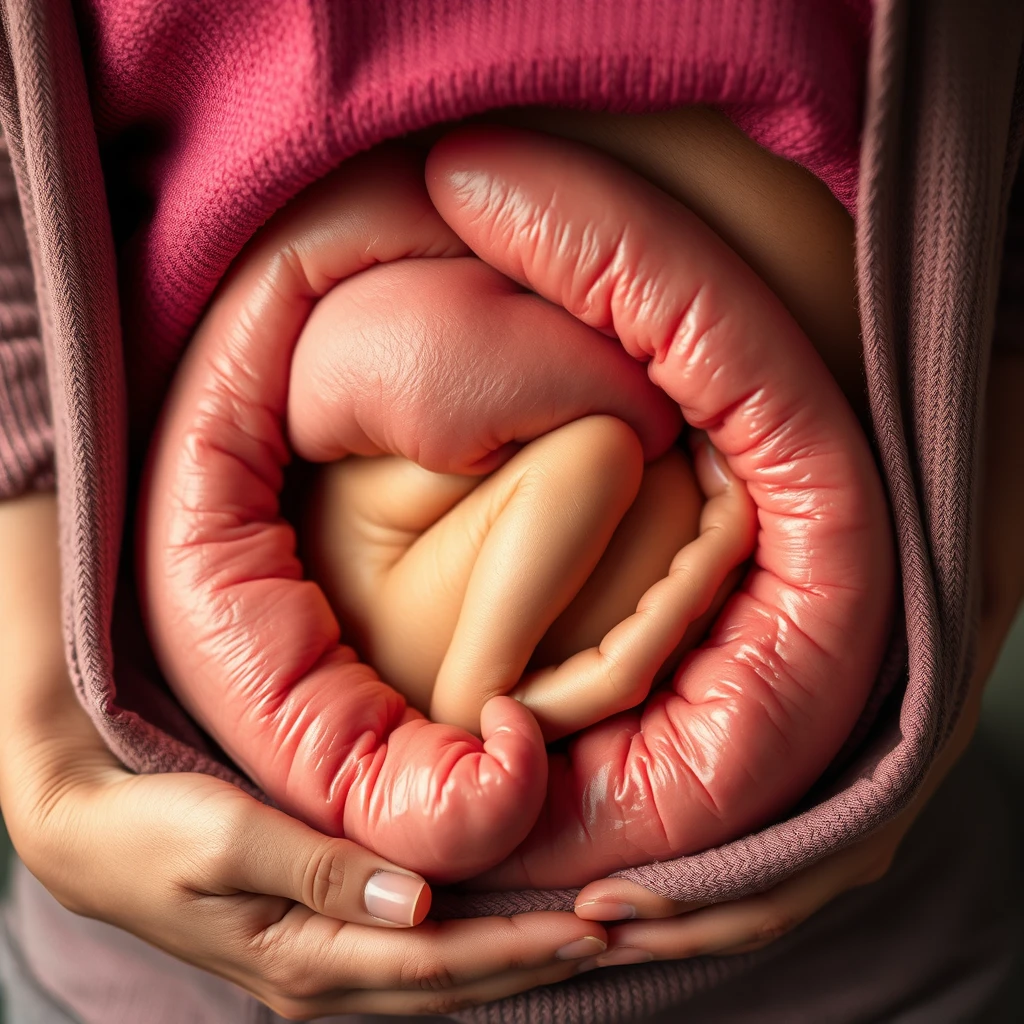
(940,145)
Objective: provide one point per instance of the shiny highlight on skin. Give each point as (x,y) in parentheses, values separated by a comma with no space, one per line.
(750,718)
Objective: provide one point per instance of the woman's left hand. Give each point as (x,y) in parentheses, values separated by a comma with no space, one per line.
(657,928)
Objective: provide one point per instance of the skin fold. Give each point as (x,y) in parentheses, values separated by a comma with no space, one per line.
(452,588)
(753,715)
(250,647)
(749,719)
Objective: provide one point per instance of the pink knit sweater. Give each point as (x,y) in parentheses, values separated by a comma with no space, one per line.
(211,116)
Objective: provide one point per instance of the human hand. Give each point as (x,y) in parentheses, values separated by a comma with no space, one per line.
(196,867)
(667,930)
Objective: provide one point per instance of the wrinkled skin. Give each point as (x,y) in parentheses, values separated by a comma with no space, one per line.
(750,718)
(252,649)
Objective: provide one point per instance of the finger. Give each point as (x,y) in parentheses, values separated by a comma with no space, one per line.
(487,990)
(217,841)
(308,955)
(618,674)
(616,899)
(721,930)
(265,851)
(552,511)
(750,923)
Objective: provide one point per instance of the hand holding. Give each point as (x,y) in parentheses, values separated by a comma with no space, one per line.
(658,928)
(196,867)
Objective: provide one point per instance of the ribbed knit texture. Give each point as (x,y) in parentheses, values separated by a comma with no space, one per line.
(26,437)
(941,145)
(211,116)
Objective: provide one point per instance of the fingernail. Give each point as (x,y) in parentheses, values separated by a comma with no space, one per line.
(616,958)
(398,899)
(605,910)
(589,945)
(716,460)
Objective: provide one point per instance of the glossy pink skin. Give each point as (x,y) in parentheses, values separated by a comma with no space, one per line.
(251,649)
(752,717)
(755,714)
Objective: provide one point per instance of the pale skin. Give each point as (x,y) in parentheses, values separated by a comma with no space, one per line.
(572,563)
(243,898)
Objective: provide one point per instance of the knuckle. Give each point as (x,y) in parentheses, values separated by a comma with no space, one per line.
(427,973)
(324,873)
(444,1005)
(777,923)
(518,946)
(218,842)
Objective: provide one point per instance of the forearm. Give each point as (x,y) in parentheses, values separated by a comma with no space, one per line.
(47,743)
(30,630)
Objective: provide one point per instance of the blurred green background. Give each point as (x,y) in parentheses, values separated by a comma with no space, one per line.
(1002,729)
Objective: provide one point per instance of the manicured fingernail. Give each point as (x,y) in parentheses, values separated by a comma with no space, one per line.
(399,899)
(605,910)
(616,958)
(589,945)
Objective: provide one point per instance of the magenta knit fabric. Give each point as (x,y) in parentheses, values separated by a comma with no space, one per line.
(211,116)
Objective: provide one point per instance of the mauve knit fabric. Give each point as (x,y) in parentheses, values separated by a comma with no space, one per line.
(940,147)
(26,436)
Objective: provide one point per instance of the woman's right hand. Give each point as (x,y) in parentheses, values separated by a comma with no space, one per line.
(200,869)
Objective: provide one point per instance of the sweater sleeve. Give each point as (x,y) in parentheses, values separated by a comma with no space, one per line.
(26,433)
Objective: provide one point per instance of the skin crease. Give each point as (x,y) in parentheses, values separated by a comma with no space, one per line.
(307,720)
(357,535)
(287,695)
(64,797)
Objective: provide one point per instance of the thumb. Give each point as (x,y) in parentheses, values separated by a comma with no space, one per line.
(272,854)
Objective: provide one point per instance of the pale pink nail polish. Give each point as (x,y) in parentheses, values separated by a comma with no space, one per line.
(396,898)
(605,910)
(589,945)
